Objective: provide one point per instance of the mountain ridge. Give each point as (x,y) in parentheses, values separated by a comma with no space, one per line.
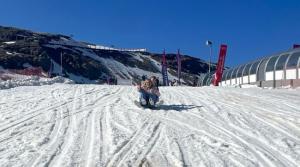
(22,48)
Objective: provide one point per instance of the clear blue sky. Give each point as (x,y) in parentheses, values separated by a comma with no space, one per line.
(252,28)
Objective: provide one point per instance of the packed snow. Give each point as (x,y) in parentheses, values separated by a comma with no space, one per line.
(23,80)
(9,53)
(93,125)
(10,42)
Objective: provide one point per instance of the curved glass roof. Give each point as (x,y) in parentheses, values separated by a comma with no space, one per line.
(240,71)
(224,75)
(281,62)
(293,60)
(229,74)
(246,69)
(289,59)
(254,67)
(271,63)
(233,75)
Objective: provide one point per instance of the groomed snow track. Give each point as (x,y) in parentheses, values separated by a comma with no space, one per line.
(91,125)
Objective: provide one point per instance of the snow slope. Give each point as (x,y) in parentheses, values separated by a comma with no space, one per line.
(92,125)
(23,80)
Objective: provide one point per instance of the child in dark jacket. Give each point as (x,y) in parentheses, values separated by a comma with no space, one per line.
(149,93)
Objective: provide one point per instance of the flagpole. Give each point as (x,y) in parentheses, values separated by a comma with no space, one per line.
(178,66)
(210,53)
(209,44)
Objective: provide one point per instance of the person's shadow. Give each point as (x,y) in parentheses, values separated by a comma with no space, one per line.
(177,107)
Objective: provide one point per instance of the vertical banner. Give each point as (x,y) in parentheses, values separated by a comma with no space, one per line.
(163,67)
(164,70)
(178,66)
(220,66)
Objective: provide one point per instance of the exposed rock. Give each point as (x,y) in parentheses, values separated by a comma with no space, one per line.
(19,47)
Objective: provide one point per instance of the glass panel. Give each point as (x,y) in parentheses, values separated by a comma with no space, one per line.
(271,63)
(233,75)
(254,68)
(261,70)
(240,71)
(246,71)
(229,74)
(281,62)
(292,62)
(224,75)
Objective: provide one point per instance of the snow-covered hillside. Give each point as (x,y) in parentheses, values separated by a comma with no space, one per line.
(85,63)
(21,80)
(91,125)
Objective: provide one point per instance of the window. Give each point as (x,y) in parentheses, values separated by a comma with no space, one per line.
(281,62)
(292,62)
(246,70)
(271,63)
(254,68)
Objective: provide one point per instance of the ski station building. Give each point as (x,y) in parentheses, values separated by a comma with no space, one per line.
(278,70)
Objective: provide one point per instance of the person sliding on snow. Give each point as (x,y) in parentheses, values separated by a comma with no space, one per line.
(155,88)
(155,82)
(149,94)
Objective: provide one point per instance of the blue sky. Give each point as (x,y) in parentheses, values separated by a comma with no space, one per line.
(252,29)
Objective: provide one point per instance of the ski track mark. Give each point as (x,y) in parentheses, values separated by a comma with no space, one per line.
(92,125)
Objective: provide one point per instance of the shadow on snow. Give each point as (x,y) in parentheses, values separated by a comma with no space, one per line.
(177,107)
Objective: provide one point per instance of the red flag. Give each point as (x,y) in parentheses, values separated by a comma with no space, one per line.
(220,66)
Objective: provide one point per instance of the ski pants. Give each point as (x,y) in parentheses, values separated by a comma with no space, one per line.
(145,95)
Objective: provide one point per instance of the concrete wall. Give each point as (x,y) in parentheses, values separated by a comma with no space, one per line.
(279,75)
(246,79)
(291,74)
(279,83)
(270,76)
(253,78)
